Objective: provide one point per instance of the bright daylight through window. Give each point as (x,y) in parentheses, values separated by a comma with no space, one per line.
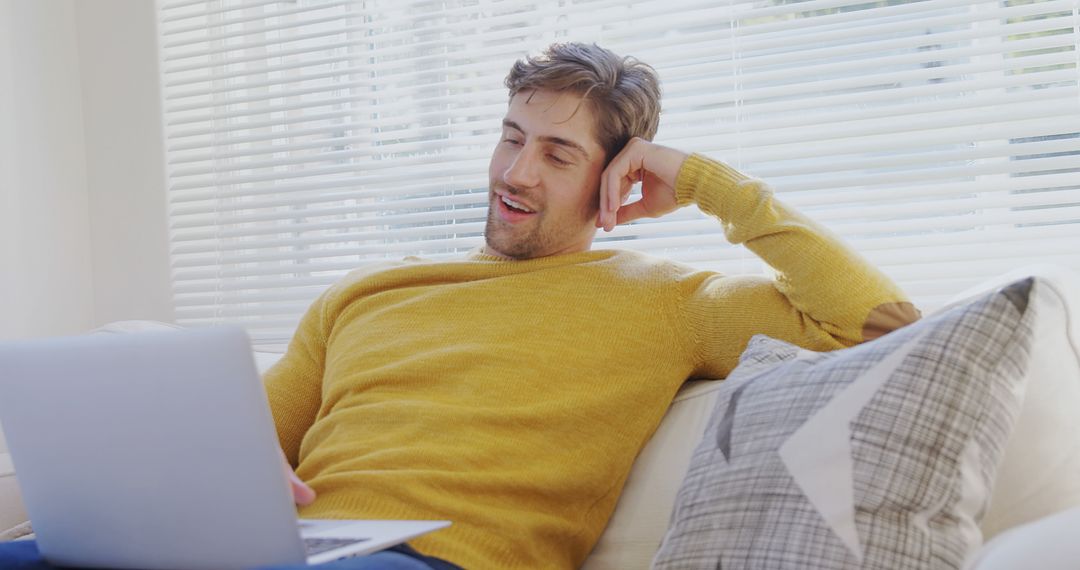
(941,138)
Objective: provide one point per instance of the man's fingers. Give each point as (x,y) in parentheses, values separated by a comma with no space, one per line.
(632,211)
(628,167)
(625,184)
(618,180)
(302,494)
(603,198)
(611,188)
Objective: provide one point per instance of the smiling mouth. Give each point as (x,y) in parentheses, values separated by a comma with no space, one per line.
(516,207)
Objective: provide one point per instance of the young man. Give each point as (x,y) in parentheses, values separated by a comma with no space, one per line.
(510,391)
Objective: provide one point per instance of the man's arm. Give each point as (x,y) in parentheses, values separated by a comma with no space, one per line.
(824,295)
(294,384)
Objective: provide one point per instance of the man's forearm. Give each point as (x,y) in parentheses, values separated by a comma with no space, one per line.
(821,276)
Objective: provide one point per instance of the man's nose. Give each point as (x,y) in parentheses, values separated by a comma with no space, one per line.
(523,171)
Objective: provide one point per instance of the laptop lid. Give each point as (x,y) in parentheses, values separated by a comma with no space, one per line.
(147,450)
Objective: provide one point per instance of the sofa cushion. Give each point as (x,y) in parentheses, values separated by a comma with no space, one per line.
(644,508)
(12,511)
(1039,474)
(879,456)
(1047,544)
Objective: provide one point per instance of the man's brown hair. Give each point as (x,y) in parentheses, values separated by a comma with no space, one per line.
(623,93)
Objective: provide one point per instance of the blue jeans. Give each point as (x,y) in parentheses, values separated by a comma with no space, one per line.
(23,555)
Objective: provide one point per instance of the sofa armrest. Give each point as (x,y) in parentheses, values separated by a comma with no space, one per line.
(12,511)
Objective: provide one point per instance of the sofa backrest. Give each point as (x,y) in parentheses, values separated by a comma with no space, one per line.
(1038,474)
(1036,478)
(1027,488)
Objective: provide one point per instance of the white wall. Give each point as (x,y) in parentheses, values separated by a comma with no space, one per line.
(124,159)
(83,234)
(46,284)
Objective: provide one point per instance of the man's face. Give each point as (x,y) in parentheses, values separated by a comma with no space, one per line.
(544,178)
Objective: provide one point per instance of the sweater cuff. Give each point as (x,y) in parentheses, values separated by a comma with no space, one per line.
(704,181)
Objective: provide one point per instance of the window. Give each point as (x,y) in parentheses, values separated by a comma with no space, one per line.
(305,137)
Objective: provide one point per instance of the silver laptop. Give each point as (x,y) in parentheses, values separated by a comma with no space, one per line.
(157,450)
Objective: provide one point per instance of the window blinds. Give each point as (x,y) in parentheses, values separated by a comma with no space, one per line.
(940,138)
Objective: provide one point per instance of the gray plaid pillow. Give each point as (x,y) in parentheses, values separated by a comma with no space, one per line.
(877,456)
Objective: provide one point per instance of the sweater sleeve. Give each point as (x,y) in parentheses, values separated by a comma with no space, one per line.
(823,295)
(294,383)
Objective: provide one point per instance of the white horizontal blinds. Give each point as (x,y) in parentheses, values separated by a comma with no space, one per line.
(940,138)
(261,108)
(305,137)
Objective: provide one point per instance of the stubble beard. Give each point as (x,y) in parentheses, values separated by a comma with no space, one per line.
(522,241)
(514,241)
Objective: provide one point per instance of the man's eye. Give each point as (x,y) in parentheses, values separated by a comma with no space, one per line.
(512,141)
(558,160)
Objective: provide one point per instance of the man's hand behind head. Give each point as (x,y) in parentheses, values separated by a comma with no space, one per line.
(655,166)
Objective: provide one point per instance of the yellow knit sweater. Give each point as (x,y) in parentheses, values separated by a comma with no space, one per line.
(512,397)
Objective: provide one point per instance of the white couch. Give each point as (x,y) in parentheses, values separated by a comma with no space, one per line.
(12,511)
(1035,498)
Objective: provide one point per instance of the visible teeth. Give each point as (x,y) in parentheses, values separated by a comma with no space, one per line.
(514,204)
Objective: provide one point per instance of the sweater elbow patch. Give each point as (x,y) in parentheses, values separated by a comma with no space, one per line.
(888,317)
